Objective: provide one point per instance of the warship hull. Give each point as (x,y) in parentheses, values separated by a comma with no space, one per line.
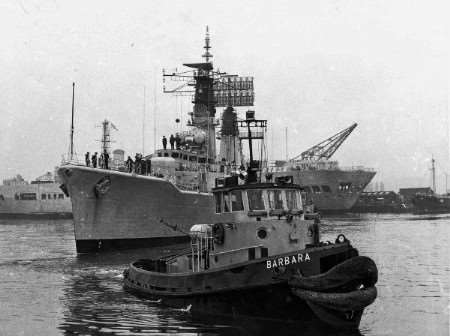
(145,211)
(134,211)
(331,191)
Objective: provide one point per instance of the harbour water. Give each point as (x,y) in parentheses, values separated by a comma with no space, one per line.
(46,289)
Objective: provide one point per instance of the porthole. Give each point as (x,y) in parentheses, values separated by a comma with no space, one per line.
(262,233)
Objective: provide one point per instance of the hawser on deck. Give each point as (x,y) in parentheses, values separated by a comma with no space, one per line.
(41,198)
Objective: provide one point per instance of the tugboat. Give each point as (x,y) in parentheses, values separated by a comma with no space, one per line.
(263,258)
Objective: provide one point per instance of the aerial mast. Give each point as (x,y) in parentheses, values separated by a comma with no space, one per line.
(71,125)
(433,174)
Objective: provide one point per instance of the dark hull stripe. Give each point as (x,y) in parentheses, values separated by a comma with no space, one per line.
(94,245)
(41,215)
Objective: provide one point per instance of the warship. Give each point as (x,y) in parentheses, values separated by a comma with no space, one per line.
(124,208)
(261,258)
(119,209)
(41,198)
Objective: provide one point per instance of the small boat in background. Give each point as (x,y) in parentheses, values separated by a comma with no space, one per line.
(263,259)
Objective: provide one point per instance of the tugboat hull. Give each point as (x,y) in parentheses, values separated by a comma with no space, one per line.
(258,288)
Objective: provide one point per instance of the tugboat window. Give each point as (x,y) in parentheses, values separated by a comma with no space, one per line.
(226,202)
(291,199)
(236,201)
(255,200)
(326,188)
(275,199)
(316,189)
(262,233)
(306,189)
(218,198)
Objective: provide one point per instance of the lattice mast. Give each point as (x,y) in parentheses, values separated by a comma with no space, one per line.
(106,136)
(326,148)
(209,89)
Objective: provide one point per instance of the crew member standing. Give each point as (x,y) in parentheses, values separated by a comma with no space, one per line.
(177,141)
(129,163)
(164,142)
(94,160)
(87,159)
(106,160)
(172,141)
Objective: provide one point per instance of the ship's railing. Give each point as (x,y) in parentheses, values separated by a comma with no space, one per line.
(357,168)
(283,166)
(74,160)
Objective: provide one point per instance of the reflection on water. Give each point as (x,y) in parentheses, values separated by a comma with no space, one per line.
(46,289)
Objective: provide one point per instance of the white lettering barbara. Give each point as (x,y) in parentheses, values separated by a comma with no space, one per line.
(288,260)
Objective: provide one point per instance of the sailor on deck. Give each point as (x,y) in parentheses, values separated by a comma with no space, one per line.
(94,160)
(164,141)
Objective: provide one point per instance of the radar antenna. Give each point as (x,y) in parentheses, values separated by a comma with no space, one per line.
(326,148)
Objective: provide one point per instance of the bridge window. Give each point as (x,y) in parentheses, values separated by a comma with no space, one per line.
(306,189)
(275,199)
(236,200)
(315,189)
(255,200)
(60,196)
(226,202)
(326,188)
(291,199)
(218,198)
(43,196)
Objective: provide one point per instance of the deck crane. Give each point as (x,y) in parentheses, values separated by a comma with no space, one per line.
(326,148)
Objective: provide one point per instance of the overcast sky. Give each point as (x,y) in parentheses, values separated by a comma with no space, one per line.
(319,66)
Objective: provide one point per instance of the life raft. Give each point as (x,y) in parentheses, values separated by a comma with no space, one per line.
(339,296)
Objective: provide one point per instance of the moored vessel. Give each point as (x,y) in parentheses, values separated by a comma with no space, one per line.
(40,198)
(428,201)
(331,188)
